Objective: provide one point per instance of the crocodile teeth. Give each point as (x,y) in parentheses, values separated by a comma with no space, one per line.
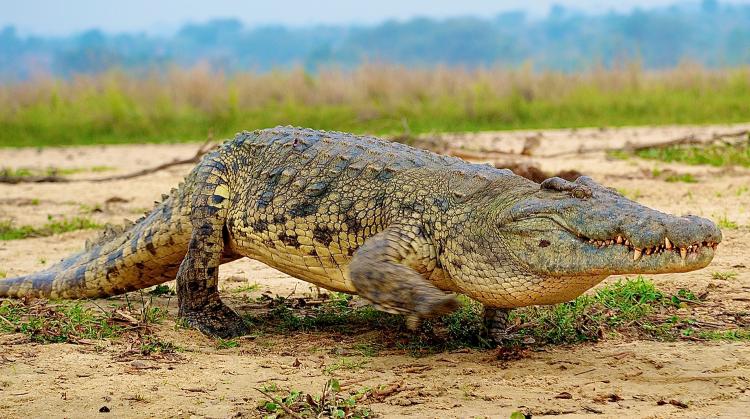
(683,252)
(667,243)
(637,254)
(627,242)
(648,250)
(619,240)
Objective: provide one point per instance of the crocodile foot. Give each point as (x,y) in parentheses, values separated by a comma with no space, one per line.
(496,320)
(430,308)
(216,320)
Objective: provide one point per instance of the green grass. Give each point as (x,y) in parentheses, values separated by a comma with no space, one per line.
(724,276)
(586,317)
(153,315)
(631,307)
(8,231)
(332,402)
(684,177)
(162,290)
(59,322)
(725,335)
(726,223)
(712,155)
(246,288)
(188,105)
(226,343)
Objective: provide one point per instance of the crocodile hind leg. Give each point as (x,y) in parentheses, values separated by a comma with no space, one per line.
(382,271)
(197,280)
(497,322)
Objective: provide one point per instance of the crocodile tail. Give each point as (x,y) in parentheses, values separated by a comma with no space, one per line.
(123,259)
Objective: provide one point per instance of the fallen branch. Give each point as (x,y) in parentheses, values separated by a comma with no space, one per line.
(205,148)
(691,139)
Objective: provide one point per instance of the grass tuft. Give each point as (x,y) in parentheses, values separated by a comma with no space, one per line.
(332,402)
(246,288)
(712,155)
(8,231)
(724,276)
(53,323)
(227,343)
(725,335)
(726,223)
(683,177)
(162,290)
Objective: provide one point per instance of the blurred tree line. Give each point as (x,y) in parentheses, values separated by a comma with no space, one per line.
(709,33)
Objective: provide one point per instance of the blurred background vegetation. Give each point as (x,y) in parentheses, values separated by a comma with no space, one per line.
(184,105)
(686,63)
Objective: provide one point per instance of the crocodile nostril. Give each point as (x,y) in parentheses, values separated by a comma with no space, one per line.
(544,243)
(581,192)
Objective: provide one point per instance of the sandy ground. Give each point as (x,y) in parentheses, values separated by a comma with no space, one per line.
(612,378)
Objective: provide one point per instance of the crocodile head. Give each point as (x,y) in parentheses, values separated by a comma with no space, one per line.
(553,242)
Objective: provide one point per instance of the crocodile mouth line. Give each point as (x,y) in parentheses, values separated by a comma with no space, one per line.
(666,246)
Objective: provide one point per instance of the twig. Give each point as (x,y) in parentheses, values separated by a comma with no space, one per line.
(288,411)
(688,301)
(592,410)
(100,307)
(584,372)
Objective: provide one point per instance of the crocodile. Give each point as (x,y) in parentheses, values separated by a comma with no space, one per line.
(404,228)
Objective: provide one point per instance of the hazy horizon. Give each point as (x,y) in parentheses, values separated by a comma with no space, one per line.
(53,18)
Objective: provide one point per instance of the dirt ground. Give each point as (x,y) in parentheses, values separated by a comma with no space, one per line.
(613,378)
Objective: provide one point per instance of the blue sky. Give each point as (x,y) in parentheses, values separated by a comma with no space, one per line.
(62,17)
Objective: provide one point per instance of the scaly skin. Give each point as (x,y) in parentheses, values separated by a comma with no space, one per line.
(402,227)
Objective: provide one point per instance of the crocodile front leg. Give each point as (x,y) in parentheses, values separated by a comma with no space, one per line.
(197,279)
(382,272)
